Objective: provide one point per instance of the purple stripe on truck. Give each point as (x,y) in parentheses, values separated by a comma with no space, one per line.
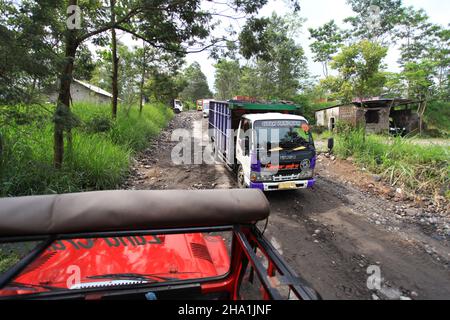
(254,185)
(255,165)
(313,162)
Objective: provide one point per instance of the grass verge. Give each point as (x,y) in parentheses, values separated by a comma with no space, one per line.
(99,158)
(419,169)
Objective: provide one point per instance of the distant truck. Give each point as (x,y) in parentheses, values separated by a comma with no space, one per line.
(177,106)
(203,105)
(268,145)
(199,105)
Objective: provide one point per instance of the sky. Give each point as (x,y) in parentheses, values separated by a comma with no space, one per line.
(318,12)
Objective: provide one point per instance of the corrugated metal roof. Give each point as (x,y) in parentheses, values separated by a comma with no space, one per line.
(94,88)
(370,103)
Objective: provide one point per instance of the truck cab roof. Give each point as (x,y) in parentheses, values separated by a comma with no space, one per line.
(273,116)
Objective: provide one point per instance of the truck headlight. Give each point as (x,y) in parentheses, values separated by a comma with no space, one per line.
(257,176)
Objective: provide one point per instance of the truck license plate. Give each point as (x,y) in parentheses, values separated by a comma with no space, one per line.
(286,185)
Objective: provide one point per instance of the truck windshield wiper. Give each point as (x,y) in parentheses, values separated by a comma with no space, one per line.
(132,276)
(32,287)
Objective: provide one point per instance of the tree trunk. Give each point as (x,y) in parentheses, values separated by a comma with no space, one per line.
(141,85)
(421,112)
(115,62)
(62,112)
(325,68)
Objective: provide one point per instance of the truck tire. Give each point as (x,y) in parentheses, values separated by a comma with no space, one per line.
(240,178)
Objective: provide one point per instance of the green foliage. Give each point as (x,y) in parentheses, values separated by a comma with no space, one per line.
(228,74)
(278,69)
(422,169)
(196,84)
(359,71)
(135,131)
(419,76)
(375,26)
(327,40)
(161,87)
(98,124)
(437,116)
(189,105)
(29,61)
(96,161)
(85,64)
(7,260)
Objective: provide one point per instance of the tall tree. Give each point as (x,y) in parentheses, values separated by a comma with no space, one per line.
(85,64)
(163,24)
(142,63)
(281,62)
(375,20)
(359,67)
(31,35)
(414,34)
(115,61)
(419,76)
(152,63)
(163,87)
(227,79)
(327,40)
(197,84)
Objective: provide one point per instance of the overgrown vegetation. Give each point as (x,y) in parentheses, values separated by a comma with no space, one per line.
(437,118)
(419,169)
(98,159)
(7,260)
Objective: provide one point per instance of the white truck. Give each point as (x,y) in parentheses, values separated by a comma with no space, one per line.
(266,144)
(177,106)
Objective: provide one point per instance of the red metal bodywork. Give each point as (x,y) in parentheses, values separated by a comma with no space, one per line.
(70,263)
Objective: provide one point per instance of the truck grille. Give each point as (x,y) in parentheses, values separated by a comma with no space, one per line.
(285,177)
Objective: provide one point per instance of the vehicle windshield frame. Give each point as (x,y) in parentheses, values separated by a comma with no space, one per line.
(245,239)
(262,146)
(46,242)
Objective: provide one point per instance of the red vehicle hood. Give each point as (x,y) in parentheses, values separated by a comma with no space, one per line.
(80,263)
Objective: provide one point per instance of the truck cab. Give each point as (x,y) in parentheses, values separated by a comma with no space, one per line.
(199,105)
(205,107)
(274,151)
(177,106)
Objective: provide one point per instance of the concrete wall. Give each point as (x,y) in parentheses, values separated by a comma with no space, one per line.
(355,116)
(80,93)
(324,117)
(347,113)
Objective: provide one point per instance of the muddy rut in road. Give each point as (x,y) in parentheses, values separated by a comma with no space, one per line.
(330,235)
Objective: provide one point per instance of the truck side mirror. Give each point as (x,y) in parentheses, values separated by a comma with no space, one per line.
(330,144)
(246,146)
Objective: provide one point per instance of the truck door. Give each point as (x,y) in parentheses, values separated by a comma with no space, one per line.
(243,147)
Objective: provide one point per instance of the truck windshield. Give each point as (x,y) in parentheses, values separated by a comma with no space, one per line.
(288,134)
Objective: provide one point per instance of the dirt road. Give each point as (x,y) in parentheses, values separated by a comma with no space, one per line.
(331,234)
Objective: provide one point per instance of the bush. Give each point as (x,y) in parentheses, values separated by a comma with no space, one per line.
(189,105)
(437,117)
(98,124)
(7,260)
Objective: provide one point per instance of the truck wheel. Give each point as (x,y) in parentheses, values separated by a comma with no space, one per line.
(240,177)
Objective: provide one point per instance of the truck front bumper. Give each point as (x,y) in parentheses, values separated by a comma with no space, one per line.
(286,185)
